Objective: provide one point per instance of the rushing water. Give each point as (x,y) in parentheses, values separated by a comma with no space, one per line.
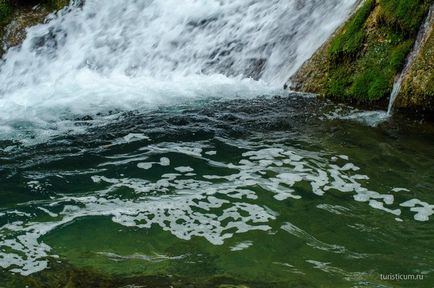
(146,144)
(266,191)
(122,54)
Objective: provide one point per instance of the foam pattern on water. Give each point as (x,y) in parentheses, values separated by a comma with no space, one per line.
(188,202)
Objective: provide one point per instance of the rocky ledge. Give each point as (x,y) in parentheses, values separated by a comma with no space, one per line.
(17,15)
(360,62)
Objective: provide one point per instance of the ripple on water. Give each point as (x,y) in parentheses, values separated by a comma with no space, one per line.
(213,206)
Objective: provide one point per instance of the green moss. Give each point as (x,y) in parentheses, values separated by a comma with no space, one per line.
(371,49)
(57,4)
(5,12)
(399,54)
(417,90)
(378,86)
(338,82)
(347,44)
(367,79)
(404,15)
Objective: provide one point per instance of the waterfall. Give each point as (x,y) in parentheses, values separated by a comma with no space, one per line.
(421,38)
(123,54)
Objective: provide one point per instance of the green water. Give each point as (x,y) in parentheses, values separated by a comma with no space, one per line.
(267,192)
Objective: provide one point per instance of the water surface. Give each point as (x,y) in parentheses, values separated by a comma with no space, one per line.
(284,191)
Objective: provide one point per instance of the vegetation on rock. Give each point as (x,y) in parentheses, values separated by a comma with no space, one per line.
(5,12)
(371,51)
(25,13)
(56,4)
(360,62)
(417,88)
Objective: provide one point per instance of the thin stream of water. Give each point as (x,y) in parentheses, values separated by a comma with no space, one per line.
(149,144)
(421,37)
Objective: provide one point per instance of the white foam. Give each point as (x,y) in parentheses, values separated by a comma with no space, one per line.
(148,258)
(124,55)
(184,169)
(397,190)
(132,137)
(370,118)
(241,246)
(145,166)
(423,210)
(380,205)
(164,161)
(214,207)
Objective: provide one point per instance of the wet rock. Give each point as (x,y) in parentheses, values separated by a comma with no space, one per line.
(417,90)
(15,31)
(360,62)
(48,43)
(21,14)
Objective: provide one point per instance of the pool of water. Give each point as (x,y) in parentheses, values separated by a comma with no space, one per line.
(284,191)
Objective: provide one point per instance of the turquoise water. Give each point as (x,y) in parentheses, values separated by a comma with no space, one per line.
(266,192)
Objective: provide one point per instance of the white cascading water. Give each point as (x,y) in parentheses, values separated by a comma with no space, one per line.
(122,54)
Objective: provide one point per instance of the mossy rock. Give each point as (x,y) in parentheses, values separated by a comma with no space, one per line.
(57,4)
(348,43)
(6,11)
(403,15)
(25,13)
(417,89)
(359,63)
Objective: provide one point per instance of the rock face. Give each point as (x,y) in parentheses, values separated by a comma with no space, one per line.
(417,90)
(359,63)
(17,15)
